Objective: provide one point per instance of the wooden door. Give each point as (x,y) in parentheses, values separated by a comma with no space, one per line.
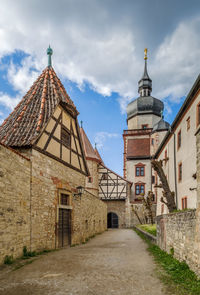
(64,228)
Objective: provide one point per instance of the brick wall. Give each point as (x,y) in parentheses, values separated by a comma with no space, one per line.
(14,203)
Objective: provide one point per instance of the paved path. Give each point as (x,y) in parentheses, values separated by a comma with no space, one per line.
(115,262)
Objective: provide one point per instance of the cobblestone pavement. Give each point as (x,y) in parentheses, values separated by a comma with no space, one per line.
(115,262)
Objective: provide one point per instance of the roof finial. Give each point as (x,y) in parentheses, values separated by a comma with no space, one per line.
(49,53)
(95,144)
(162,116)
(81,124)
(145,53)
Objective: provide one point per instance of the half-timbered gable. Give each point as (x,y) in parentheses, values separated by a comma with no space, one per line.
(46,120)
(111,185)
(61,140)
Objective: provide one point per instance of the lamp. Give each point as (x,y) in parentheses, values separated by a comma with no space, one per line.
(80,190)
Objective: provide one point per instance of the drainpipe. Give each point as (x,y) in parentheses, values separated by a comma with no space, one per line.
(175,176)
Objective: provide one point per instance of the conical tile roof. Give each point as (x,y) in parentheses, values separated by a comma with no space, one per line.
(89,151)
(23,125)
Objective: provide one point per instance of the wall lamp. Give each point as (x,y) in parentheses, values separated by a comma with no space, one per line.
(80,191)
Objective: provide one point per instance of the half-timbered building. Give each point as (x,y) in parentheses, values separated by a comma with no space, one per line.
(44,129)
(110,187)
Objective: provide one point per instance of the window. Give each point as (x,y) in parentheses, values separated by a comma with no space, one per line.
(90,180)
(64,199)
(105,176)
(139,170)
(179,139)
(144,126)
(153,179)
(65,137)
(179,171)
(198,114)
(162,208)
(152,141)
(188,123)
(165,157)
(139,189)
(184,203)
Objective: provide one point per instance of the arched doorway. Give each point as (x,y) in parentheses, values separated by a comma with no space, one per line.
(112,220)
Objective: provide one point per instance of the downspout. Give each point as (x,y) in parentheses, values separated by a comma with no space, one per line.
(175,176)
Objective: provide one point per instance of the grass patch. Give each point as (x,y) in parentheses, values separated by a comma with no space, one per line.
(150,228)
(177,276)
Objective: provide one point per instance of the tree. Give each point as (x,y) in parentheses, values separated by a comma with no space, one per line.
(147,203)
(168,195)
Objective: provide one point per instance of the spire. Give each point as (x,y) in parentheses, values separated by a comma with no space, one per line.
(49,53)
(145,84)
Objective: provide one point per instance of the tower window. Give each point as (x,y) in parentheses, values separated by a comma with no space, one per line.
(139,189)
(65,137)
(139,170)
(144,126)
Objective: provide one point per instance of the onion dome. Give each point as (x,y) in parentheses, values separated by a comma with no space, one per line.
(145,104)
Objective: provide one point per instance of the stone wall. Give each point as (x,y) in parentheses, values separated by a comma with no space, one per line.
(118,207)
(14,203)
(89,218)
(177,231)
(141,213)
(29,202)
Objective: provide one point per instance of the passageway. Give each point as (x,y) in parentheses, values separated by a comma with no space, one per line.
(115,262)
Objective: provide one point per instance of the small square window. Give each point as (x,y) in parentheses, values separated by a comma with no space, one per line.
(105,176)
(144,126)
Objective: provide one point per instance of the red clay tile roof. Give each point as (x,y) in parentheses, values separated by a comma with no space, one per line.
(98,155)
(24,124)
(89,151)
(139,147)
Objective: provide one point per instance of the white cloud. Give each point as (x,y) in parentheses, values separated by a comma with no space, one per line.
(8,101)
(101,42)
(102,137)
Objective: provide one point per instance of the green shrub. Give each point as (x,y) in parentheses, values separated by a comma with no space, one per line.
(8,259)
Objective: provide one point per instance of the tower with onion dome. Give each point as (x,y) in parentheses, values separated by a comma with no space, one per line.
(146,129)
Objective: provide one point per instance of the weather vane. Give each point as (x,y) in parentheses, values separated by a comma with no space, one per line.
(145,53)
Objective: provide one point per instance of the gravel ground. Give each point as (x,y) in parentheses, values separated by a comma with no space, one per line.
(115,262)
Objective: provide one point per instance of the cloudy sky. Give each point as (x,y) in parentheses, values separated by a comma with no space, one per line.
(98,54)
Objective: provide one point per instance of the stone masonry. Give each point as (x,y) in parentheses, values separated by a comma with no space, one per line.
(14,203)
(30,199)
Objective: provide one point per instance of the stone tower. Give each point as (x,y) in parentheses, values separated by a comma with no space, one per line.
(146,129)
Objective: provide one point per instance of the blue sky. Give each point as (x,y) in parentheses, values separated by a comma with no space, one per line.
(98,55)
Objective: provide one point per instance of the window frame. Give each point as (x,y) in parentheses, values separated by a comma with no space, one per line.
(180,172)
(145,126)
(140,184)
(188,123)
(179,139)
(184,203)
(139,167)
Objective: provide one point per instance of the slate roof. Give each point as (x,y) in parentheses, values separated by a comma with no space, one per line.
(23,125)
(88,148)
(161,126)
(145,105)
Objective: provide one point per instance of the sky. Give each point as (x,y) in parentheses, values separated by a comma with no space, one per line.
(98,49)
